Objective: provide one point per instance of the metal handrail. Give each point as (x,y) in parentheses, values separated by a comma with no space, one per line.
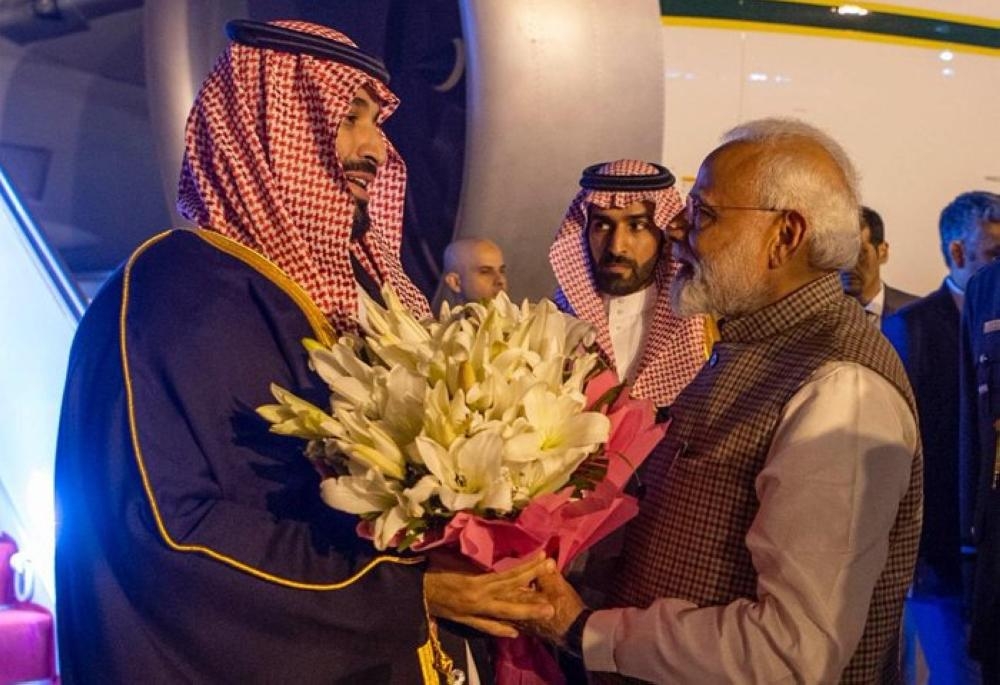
(50,261)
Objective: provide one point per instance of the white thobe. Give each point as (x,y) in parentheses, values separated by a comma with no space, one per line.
(629,317)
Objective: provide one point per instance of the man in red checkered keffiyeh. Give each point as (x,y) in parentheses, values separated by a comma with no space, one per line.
(285,154)
(187,525)
(614,269)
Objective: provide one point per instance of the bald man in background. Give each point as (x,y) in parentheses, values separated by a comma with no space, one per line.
(474,270)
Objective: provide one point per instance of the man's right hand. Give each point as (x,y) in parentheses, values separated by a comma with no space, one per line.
(489,602)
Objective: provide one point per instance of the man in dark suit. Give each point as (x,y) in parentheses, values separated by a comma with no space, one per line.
(980,448)
(926,336)
(864,281)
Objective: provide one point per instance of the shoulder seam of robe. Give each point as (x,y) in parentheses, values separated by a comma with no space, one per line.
(264,267)
(321,326)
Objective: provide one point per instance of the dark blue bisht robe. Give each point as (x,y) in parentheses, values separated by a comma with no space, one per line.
(192,544)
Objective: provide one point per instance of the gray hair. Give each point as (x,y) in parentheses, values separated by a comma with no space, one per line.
(964,216)
(791,181)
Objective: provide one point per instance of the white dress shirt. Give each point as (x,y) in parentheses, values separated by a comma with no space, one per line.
(877,305)
(838,467)
(628,321)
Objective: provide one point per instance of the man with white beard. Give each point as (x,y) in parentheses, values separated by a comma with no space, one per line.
(779,531)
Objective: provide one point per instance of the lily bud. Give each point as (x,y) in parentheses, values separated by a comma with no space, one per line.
(466,376)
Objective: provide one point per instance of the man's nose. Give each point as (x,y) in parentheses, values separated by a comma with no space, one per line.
(620,241)
(371,145)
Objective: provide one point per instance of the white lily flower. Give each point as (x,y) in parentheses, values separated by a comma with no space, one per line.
(550,372)
(507,310)
(398,399)
(447,311)
(557,423)
(515,359)
(392,324)
(451,343)
(395,354)
(352,391)
(413,498)
(339,361)
(366,493)
(516,427)
(502,398)
(388,525)
(369,444)
(541,335)
(345,373)
(445,419)
(370,457)
(294,416)
(579,333)
(471,472)
(583,367)
(543,476)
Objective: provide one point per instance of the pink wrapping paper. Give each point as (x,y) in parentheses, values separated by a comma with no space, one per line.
(562,527)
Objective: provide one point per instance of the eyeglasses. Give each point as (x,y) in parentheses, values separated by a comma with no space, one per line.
(699,215)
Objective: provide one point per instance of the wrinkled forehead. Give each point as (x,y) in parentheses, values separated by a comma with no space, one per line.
(728,170)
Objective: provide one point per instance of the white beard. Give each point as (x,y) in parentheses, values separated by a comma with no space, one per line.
(725,287)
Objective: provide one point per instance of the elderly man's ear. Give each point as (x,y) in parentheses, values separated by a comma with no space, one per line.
(788,240)
(454,283)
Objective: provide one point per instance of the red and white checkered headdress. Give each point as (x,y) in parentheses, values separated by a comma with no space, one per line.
(675,347)
(260,166)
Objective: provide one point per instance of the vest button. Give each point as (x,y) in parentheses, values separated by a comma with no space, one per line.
(714,359)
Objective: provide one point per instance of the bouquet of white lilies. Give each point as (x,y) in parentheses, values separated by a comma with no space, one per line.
(490,429)
(480,411)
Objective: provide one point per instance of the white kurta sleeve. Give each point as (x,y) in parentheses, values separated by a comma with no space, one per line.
(838,467)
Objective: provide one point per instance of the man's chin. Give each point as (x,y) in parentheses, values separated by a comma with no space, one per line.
(613,284)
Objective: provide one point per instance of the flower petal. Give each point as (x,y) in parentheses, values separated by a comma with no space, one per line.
(357,494)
